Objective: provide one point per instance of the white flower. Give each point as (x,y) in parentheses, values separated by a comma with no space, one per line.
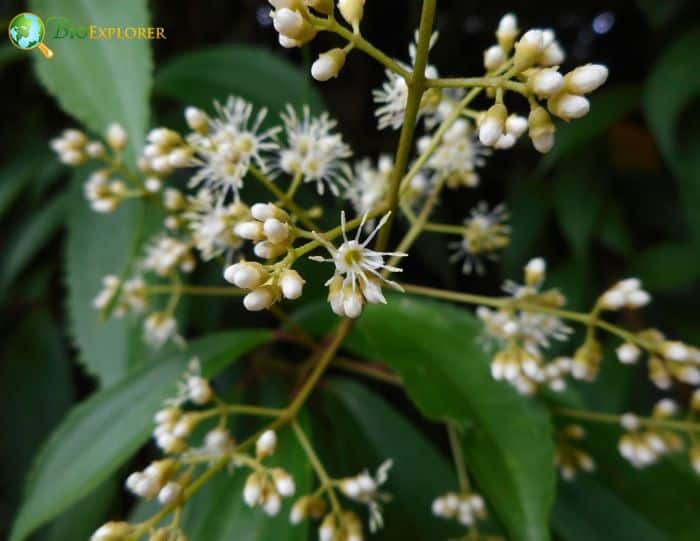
(212,223)
(133,297)
(232,144)
(485,233)
(313,150)
(165,254)
(369,184)
(392,97)
(160,327)
(457,156)
(357,277)
(364,488)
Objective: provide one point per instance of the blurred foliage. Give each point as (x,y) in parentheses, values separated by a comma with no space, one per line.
(618,196)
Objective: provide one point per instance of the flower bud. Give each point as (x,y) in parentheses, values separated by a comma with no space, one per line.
(246,275)
(328,65)
(546,83)
(180,157)
(586,79)
(494,57)
(637,299)
(116,136)
(199,390)
(269,250)
(277,232)
(542,129)
(505,141)
(265,211)
(74,138)
(507,31)
(163,137)
(95,149)
(272,504)
(283,482)
(196,119)
(326,531)
(352,11)
(250,230)
(266,444)
(170,493)
(112,531)
(173,199)
(288,22)
(553,54)
(260,299)
(292,284)
(516,125)
(252,490)
(218,441)
(569,106)
(72,157)
(288,43)
(535,272)
(528,49)
(492,126)
(628,353)
(153,184)
(629,421)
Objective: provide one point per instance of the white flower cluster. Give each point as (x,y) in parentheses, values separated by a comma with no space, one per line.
(669,360)
(464,508)
(521,335)
(266,487)
(535,60)
(643,446)
(456,157)
(156,480)
(313,151)
(104,193)
(627,293)
(569,457)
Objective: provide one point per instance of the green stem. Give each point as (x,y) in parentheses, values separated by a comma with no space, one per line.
(444,228)
(296,182)
(416,87)
(358,42)
(458,457)
(196,290)
(610,418)
(320,470)
(479,82)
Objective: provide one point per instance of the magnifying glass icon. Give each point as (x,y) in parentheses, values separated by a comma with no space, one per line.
(27,32)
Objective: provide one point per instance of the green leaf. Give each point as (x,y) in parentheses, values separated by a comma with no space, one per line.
(99,81)
(36,390)
(672,84)
(252,73)
(666,494)
(100,434)
(30,237)
(586,510)
(205,519)
(508,438)
(666,266)
(367,430)
(81,520)
(98,245)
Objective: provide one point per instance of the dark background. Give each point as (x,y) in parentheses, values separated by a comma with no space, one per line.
(609,207)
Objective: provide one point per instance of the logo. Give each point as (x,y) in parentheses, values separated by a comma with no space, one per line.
(27,31)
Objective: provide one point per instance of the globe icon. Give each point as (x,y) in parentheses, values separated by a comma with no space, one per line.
(27,32)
